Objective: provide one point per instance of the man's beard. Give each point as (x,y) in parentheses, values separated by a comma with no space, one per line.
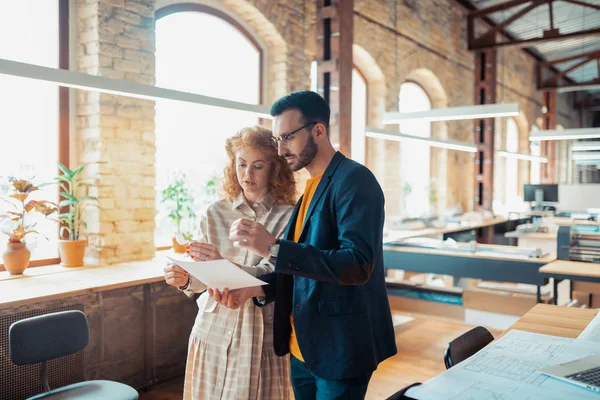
(307,154)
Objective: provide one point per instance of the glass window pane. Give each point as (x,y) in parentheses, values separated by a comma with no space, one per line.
(29,116)
(359,117)
(512,164)
(415,158)
(190,139)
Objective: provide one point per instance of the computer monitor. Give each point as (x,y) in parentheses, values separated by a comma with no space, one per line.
(550,192)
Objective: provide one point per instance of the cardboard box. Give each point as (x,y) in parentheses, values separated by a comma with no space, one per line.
(588,287)
(436,308)
(595,300)
(583,298)
(499,301)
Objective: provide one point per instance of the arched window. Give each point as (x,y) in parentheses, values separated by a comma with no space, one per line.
(415,166)
(359,116)
(512,164)
(29,122)
(536,166)
(359,111)
(190,139)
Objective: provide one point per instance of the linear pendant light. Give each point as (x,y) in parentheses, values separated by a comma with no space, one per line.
(521,156)
(78,80)
(567,134)
(454,113)
(586,146)
(576,88)
(587,156)
(403,137)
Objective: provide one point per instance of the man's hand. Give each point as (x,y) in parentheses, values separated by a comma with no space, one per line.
(203,251)
(175,275)
(235,298)
(251,235)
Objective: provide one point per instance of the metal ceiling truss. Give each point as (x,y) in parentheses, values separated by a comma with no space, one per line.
(554,80)
(489,40)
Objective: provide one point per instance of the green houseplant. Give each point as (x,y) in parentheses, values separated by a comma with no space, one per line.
(16,256)
(74,192)
(179,202)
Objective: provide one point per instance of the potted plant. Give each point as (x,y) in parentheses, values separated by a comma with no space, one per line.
(178,199)
(16,256)
(71,183)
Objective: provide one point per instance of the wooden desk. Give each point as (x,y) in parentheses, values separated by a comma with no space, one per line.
(564,221)
(468,265)
(552,320)
(571,270)
(399,235)
(566,322)
(575,270)
(535,240)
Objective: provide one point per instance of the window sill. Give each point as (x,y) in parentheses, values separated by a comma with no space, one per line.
(55,281)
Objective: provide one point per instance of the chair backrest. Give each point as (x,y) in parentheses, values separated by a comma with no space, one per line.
(401,394)
(37,339)
(466,345)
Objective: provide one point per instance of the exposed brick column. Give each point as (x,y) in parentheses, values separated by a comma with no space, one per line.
(335,26)
(485,93)
(116,134)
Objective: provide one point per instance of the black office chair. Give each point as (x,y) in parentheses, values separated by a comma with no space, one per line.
(466,345)
(401,394)
(43,338)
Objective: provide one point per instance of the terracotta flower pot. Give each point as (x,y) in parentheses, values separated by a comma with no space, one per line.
(178,248)
(72,252)
(16,258)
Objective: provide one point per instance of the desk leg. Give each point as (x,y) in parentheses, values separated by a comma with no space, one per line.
(555,288)
(539,294)
(570,290)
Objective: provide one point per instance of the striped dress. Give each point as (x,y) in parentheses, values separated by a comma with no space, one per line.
(230,352)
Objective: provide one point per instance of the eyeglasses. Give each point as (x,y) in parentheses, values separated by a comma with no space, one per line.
(286,138)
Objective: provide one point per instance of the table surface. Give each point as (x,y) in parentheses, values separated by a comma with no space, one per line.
(572,268)
(561,321)
(548,258)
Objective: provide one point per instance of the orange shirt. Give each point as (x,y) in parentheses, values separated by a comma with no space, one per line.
(309,191)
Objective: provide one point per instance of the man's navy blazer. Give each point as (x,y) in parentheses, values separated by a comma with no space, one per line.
(332,280)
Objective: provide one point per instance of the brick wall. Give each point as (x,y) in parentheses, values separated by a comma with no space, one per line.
(424,41)
(116,134)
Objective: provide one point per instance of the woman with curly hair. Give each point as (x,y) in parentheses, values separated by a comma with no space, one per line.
(230,352)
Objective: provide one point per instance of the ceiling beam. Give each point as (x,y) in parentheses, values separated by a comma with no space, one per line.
(471,26)
(591,54)
(583,4)
(490,36)
(562,73)
(529,42)
(498,7)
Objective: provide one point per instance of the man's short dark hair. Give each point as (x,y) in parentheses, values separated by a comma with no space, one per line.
(313,107)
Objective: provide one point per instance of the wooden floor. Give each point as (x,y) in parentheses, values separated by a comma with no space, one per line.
(421,344)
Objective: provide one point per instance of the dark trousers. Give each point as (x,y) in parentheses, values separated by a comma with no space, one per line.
(308,386)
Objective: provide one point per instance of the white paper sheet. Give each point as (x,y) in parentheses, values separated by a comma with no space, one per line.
(592,331)
(218,274)
(508,370)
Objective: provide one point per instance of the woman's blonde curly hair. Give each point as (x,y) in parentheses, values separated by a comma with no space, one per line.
(282,184)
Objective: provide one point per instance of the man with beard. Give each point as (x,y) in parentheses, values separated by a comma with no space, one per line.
(331,307)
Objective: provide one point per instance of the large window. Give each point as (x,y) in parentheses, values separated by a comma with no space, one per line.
(512,164)
(359,116)
(190,139)
(536,166)
(415,158)
(29,122)
(359,111)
